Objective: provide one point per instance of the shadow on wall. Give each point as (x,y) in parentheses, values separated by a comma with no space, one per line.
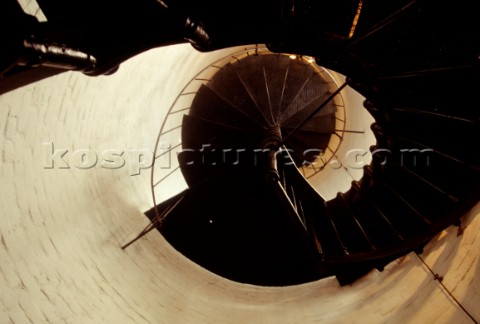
(453,256)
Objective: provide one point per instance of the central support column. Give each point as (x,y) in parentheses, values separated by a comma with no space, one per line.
(270,145)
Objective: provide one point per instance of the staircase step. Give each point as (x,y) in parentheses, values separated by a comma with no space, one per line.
(300,116)
(227,85)
(406,220)
(324,124)
(351,232)
(252,73)
(276,73)
(298,79)
(452,175)
(309,96)
(424,197)
(440,115)
(376,224)
(448,135)
(305,146)
(209,106)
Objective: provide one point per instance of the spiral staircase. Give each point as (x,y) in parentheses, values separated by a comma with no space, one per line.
(250,215)
(261,222)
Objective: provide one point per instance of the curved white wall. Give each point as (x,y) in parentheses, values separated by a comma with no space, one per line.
(354,148)
(61,229)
